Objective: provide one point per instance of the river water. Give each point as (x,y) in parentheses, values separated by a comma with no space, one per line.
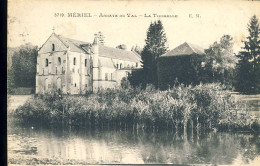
(66,145)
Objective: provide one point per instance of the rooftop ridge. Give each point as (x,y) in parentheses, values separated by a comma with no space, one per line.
(185,48)
(191,47)
(60,38)
(104,51)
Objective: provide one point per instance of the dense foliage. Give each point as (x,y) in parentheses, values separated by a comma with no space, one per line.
(219,62)
(173,70)
(23,69)
(181,108)
(248,75)
(155,46)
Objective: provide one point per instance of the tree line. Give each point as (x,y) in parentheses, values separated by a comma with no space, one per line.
(238,72)
(22,71)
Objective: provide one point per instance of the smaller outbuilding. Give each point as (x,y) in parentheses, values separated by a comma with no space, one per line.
(180,65)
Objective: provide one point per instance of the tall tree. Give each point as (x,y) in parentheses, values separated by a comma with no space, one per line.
(220,61)
(24,66)
(156,45)
(248,68)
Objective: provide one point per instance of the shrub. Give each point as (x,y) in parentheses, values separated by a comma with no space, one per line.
(207,107)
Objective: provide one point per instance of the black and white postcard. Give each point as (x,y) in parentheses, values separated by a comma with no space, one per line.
(133,82)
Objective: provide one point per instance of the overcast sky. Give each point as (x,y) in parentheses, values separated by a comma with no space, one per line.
(32,21)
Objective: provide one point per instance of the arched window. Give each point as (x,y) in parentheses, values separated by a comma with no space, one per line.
(86,61)
(53,47)
(106,76)
(59,61)
(46,62)
(117,66)
(74,61)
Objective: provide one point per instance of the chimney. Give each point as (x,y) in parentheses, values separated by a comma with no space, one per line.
(95,42)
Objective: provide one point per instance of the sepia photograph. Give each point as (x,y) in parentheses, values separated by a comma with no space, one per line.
(127,82)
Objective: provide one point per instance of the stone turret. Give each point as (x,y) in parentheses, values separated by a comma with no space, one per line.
(95,63)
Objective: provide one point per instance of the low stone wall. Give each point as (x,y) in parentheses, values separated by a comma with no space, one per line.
(23,91)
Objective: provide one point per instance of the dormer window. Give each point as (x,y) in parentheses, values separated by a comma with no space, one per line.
(53,47)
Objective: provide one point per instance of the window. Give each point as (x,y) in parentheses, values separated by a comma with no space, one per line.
(59,83)
(59,61)
(73,70)
(56,70)
(136,65)
(86,61)
(106,76)
(46,62)
(120,65)
(86,85)
(62,70)
(74,61)
(75,85)
(46,85)
(43,71)
(53,47)
(111,76)
(117,66)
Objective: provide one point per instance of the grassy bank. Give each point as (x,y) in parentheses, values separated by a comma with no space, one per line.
(203,107)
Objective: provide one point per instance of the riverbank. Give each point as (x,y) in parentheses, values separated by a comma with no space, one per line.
(203,107)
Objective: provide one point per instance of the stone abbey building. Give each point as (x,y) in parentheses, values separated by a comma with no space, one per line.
(75,67)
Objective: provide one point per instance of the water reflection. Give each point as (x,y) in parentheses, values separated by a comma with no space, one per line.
(132,147)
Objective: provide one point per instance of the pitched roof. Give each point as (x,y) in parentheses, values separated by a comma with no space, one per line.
(116,53)
(75,45)
(104,51)
(106,62)
(185,49)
